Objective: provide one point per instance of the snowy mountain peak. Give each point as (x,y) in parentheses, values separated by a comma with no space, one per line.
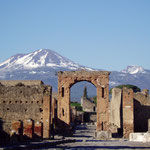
(39,58)
(134,69)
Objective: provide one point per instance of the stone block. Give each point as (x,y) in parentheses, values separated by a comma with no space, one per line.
(139,137)
(103,135)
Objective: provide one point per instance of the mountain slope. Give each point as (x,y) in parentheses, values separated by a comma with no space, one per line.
(37,59)
(43,65)
(135,75)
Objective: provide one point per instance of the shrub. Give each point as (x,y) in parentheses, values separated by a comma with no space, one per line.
(133,87)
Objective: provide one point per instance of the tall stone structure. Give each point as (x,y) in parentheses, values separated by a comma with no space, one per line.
(128,109)
(27,103)
(98,78)
(115,107)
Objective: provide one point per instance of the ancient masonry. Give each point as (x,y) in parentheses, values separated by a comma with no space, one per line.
(25,109)
(130,111)
(98,78)
(29,111)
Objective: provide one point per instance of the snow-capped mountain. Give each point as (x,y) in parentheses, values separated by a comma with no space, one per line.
(134,69)
(37,59)
(44,64)
(41,64)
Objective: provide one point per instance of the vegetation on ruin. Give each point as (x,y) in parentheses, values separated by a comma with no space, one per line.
(95,99)
(77,105)
(133,87)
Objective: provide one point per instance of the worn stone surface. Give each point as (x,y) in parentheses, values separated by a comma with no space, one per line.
(25,82)
(139,137)
(15,127)
(23,102)
(115,107)
(128,115)
(98,78)
(38,129)
(103,135)
(28,129)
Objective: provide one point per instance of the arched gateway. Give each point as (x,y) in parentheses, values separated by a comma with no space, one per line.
(98,78)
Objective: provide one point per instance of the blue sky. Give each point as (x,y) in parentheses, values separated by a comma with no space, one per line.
(104,34)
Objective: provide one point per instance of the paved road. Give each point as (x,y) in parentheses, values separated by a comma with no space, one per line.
(84,137)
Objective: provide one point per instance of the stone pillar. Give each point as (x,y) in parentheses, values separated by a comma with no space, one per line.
(128,112)
(28,129)
(47,112)
(38,129)
(115,107)
(102,108)
(64,104)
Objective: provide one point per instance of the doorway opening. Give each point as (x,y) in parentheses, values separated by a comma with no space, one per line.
(83,103)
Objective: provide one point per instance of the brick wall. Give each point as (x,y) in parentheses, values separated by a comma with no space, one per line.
(22,102)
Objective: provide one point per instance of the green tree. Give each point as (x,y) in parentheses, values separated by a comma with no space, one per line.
(85,92)
(133,87)
(77,105)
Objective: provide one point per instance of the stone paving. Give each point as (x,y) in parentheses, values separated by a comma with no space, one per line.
(84,137)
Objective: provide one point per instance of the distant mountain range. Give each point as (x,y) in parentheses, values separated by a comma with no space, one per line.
(44,64)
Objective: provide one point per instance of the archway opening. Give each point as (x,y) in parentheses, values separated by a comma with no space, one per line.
(83,103)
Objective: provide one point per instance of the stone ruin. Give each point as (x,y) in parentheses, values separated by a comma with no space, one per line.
(129,111)
(24,110)
(98,78)
(28,110)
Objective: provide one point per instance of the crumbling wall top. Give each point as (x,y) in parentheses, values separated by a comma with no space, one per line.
(83,72)
(25,82)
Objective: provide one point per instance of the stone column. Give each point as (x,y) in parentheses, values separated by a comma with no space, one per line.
(47,112)
(115,107)
(64,104)
(102,108)
(128,112)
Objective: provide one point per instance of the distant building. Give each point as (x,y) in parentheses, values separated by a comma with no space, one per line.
(87,104)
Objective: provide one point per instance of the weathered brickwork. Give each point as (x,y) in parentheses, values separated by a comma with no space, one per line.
(29,104)
(128,108)
(141,111)
(98,78)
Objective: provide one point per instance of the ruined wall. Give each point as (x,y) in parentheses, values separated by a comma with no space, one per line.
(88,105)
(23,103)
(98,78)
(25,82)
(134,111)
(141,111)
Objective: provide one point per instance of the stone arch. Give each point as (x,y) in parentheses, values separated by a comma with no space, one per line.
(100,79)
(77,81)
